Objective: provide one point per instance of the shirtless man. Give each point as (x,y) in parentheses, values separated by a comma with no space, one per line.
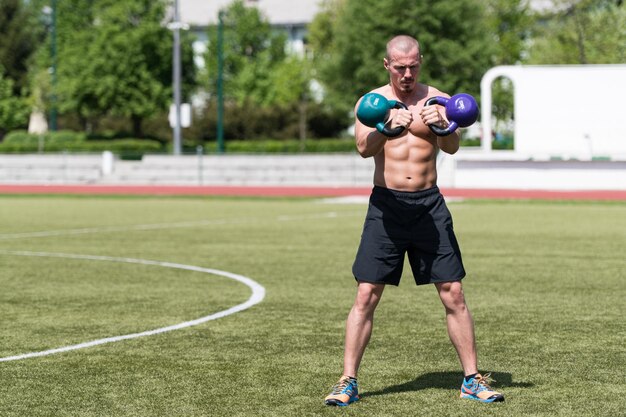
(407,215)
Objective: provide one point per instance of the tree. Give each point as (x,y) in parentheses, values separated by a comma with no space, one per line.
(456,54)
(321,39)
(18,41)
(251,50)
(73,90)
(291,81)
(321,29)
(257,70)
(14,110)
(129,76)
(581,32)
(510,26)
(114,58)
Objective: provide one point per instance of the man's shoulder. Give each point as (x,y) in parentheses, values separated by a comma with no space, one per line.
(434,91)
(384,90)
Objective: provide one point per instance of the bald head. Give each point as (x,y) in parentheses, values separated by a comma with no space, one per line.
(403,62)
(402,43)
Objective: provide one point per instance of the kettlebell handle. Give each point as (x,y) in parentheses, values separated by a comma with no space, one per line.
(386,130)
(461,111)
(440,131)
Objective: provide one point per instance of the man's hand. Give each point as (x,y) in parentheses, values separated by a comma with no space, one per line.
(402,118)
(431,115)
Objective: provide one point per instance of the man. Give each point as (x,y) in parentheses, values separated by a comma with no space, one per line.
(407,215)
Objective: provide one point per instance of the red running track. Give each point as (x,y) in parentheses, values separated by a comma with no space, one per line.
(291,191)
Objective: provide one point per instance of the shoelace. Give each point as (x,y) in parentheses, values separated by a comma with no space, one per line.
(484,381)
(341,385)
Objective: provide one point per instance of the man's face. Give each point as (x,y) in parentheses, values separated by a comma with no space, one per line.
(403,69)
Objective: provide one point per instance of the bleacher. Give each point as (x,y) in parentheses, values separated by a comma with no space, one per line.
(466,169)
(318,170)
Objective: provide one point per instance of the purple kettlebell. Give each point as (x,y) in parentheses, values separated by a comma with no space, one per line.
(461,111)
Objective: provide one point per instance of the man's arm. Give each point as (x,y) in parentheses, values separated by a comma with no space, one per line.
(449,144)
(370,141)
(436,115)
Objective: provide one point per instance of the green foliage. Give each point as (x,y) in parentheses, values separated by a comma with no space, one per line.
(257,72)
(276,122)
(455,53)
(114,58)
(131,79)
(59,137)
(287,83)
(581,32)
(251,51)
(20,141)
(65,136)
(18,40)
(130,146)
(18,136)
(14,110)
(321,39)
(321,29)
(285,146)
(510,25)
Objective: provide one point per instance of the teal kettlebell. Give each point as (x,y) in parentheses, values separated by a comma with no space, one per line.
(373,111)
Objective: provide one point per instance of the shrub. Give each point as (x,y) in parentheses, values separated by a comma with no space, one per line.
(77,143)
(20,137)
(284,146)
(65,136)
(49,138)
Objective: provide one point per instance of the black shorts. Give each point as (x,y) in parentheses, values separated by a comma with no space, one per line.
(417,223)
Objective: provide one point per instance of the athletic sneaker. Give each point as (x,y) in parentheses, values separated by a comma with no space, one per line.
(477,388)
(344,392)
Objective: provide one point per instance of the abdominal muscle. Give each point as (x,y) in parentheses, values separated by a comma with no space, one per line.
(408,162)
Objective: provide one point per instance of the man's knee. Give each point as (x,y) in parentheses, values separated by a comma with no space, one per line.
(451,294)
(367,296)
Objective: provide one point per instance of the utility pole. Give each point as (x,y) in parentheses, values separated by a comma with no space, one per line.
(220,83)
(53,69)
(177,70)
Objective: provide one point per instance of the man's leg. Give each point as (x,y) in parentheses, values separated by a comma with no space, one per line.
(358,332)
(460,324)
(359,325)
(461,331)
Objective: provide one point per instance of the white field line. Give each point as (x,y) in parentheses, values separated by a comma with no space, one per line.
(160,226)
(258,293)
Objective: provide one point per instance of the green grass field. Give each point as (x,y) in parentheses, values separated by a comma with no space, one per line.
(546,284)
